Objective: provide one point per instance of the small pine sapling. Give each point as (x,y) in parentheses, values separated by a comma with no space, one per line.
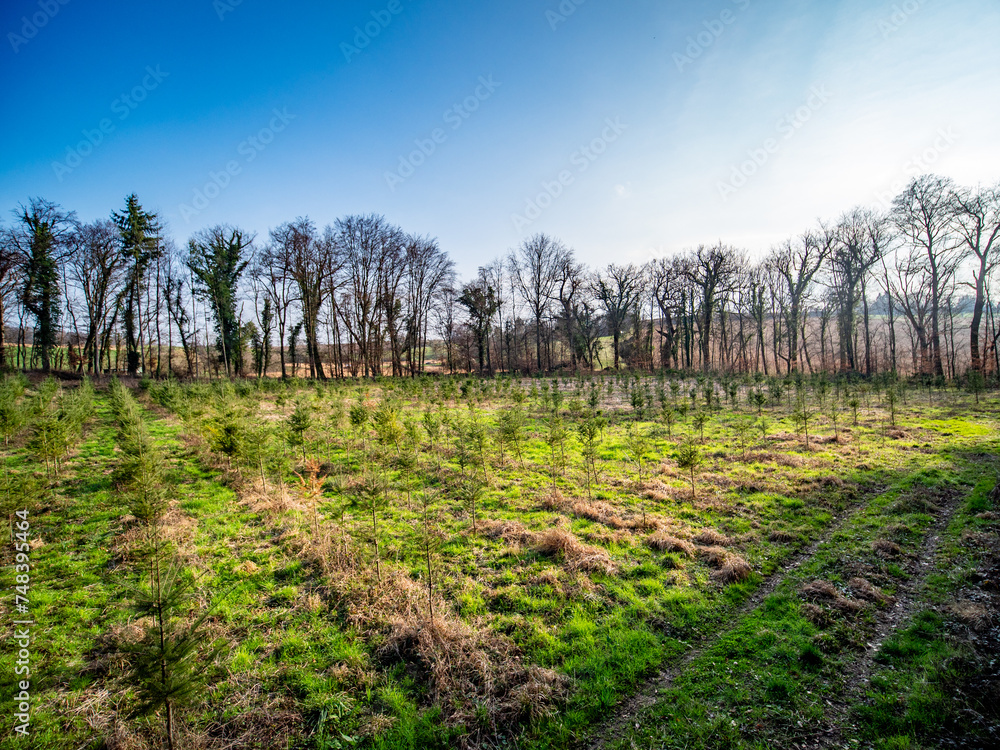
(834,414)
(975,383)
(688,459)
(226,435)
(556,435)
(743,428)
(801,416)
(370,496)
(298,423)
(699,422)
(470,492)
(464,455)
(388,427)
(638,445)
(256,449)
(669,416)
(311,485)
(429,539)
(49,441)
(589,431)
(638,404)
(407,464)
(168,664)
(359,416)
(432,426)
(892,402)
(335,487)
(479,441)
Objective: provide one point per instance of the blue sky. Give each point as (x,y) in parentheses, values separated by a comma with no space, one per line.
(627,128)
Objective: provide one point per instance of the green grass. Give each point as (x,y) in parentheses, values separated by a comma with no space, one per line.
(308,657)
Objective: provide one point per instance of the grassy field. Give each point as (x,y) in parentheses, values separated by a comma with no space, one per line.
(514,563)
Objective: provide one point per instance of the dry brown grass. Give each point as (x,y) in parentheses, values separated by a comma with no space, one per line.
(816,615)
(260,719)
(553,500)
(781,536)
(886,549)
(512,532)
(575,555)
(734,570)
(119,735)
(580,585)
(897,531)
(865,589)
(608,536)
(973,614)
(596,511)
(371,605)
(535,697)
(107,657)
(548,577)
(761,457)
(729,567)
(789,461)
(980,539)
(831,481)
(599,512)
(126,546)
(714,557)
(194,442)
(652,523)
(988,515)
(665,542)
(468,669)
(712,538)
(132,542)
(247,568)
(824,591)
(275,501)
(819,589)
(659,496)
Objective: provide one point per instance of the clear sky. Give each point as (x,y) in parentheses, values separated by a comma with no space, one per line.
(627,128)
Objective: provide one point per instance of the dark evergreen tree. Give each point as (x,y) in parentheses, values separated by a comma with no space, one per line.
(39,240)
(217,258)
(140,237)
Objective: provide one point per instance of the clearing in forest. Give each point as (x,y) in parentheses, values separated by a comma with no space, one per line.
(599,561)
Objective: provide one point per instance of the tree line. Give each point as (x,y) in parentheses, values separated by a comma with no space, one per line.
(905,290)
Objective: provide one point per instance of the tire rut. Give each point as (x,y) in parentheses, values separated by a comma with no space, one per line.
(838,729)
(648,693)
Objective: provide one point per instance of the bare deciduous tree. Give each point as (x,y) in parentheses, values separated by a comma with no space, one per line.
(535,267)
(923,215)
(618,289)
(977,223)
(796,263)
(97,268)
(859,242)
(710,270)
